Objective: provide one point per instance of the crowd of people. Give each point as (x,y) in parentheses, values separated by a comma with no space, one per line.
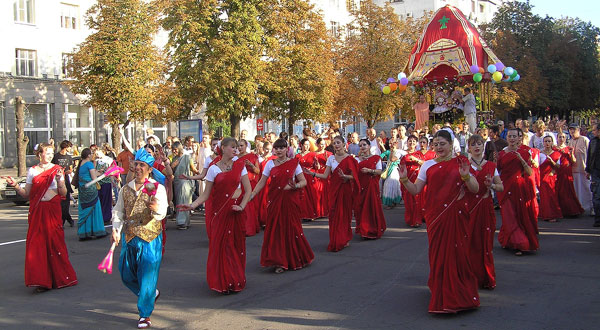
(450,179)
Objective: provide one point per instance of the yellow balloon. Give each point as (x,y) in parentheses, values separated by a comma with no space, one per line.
(386,90)
(497,76)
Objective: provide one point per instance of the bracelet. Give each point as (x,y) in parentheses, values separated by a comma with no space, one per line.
(466,177)
(404,180)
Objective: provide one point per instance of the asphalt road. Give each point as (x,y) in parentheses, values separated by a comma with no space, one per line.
(380,284)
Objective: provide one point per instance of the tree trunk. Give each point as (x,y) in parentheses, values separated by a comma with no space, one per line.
(291,120)
(22,140)
(116,137)
(234,121)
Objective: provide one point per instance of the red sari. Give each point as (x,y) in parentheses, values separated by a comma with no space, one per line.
(370,221)
(413,214)
(226,265)
(262,196)
(47,262)
(549,207)
(535,179)
(569,204)
(519,223)
(308,195)
(284,243)
(251,224)
(208,214)
(452,283)
(322,186)
(481,228)
(341,201)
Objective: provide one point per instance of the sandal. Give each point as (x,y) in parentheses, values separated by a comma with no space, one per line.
(144,322)
(41,289)
(279,270)
(519,253)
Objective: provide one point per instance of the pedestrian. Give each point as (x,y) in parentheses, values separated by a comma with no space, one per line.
(47,264)
(342,171)
(370,221)
(321,185)
(250,214)
(306,159)
(137,220)
(183,168)
(549,164)
(65,161)
(353,147)
(123,159)
(413,215)
(391,194)
(568,202)
(470,109)
(90,222)
(421,109)
(284,245)
(226,265)
(581,182)
(593,170)
(482,218)
(262,197)
(519,220)
(452,283)
(105,193)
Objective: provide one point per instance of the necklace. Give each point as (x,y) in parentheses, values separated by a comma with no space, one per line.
(443,159)
(227,166)
(477,163)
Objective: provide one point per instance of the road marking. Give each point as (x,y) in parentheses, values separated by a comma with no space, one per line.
(23,240)
(13,242)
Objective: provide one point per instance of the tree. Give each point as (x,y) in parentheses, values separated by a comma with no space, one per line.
(22,139)
(117,66)
(302,83)
(215,57)
(375,49)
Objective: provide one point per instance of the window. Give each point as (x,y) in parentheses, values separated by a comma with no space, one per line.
(69,16)
(37,125)
(24,11)
(66,60)
(335,29)
(79,125)
(1,128)
(396,1)
(481,8)
(26,62)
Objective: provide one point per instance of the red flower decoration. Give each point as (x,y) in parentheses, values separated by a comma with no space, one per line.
(150,188)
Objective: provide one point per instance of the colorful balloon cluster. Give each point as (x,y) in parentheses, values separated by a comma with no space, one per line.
(498,72)
(395,85)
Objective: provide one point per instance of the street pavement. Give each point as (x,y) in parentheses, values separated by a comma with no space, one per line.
(373,284)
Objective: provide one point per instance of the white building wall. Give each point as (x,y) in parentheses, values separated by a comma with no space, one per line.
(477,11)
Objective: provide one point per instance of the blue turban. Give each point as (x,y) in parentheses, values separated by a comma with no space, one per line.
(143,156)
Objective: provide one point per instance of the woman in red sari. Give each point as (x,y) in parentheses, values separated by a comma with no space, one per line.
(568,202)
(549,164)
(370,222)
(306,158)
(226,265)
(250,160)
(413,215)
(321,185)
(284,246)
(482,218)
(519,223)
(47,263)
(452,283)
(262,197)
(343,187)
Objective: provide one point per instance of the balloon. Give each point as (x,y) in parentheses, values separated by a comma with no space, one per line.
(401,75)
(492,68)
(481,70)
(404,81)
(474,69)
(517,78)
(393,86)
(500,66)
(477,77)
(497,76)
(514,74)
(401,88)
(391,80)
(509,71)
(386,90)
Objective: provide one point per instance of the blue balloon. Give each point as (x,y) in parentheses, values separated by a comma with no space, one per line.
(517,78)
(401,75)
(492,68)
(509,71)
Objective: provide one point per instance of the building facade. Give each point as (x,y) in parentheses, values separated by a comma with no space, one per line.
(477,11)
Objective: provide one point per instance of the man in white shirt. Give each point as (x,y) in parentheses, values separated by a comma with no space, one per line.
(371,136)
(581,182)
(470,109)
(402,138)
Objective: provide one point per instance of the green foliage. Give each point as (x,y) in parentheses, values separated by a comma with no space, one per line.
(219,126)
(117,66)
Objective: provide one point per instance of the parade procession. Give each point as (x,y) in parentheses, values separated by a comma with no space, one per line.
(450,179)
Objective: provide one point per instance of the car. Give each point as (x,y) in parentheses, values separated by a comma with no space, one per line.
(9,194)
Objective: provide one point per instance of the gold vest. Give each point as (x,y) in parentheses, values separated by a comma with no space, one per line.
(139,220)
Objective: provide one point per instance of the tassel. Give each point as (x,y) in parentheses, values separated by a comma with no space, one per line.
(106,265)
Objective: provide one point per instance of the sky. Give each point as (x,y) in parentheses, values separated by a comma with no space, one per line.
(586,10)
